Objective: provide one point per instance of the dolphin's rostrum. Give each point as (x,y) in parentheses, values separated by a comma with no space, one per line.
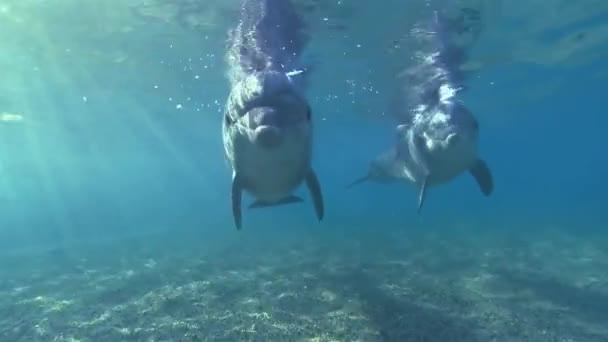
(267,128)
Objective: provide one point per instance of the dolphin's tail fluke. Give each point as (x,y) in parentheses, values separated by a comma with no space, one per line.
(358,181)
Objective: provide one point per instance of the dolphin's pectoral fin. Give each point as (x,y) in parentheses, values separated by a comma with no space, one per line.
(237,194)
(422,194)
(357,181)
(287,200)
(419,153)
(483,176)
(312,182)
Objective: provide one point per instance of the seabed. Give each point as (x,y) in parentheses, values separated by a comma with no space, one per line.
(360,285)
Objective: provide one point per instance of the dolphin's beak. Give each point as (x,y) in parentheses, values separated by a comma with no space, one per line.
(358,181)
(267,122)
(267,136)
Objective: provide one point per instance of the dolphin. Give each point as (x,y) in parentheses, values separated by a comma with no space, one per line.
(267,129)
(440,147)
(433,151)
(437,136)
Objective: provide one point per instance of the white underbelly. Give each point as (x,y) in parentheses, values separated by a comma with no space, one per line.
(272,174)
(447,165)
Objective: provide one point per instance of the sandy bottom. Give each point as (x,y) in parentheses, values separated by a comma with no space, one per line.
(353,286)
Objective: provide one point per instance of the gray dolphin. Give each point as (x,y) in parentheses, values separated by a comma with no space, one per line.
(437,138)
(434,150)
(267,128)
(440,147)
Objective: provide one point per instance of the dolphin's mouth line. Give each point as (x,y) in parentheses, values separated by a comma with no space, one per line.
(241,119)
(264,127)
(284,97)
(445,141)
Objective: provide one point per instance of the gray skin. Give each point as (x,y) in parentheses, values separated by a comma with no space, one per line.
(267,135)
(438,146)
(385,168)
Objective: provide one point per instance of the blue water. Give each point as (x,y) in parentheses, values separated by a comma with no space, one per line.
(111,131)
